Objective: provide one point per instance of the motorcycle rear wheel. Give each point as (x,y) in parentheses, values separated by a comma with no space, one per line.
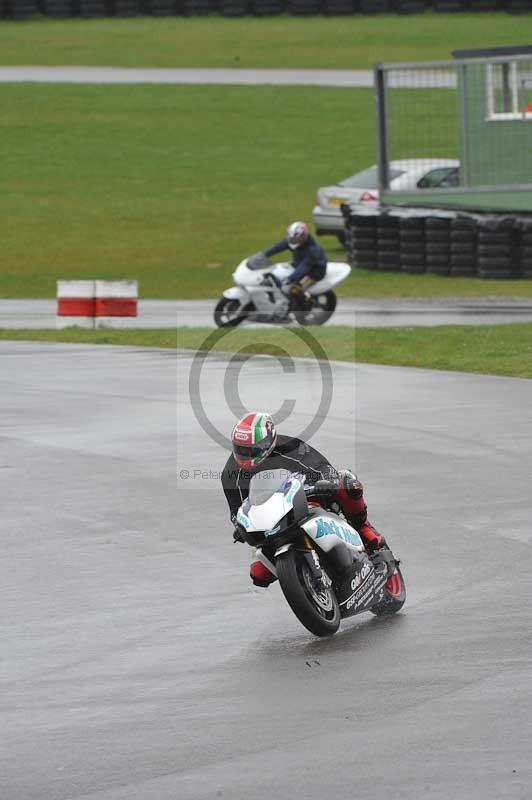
(316,609)
(323,306)
(225,313)
(394,596)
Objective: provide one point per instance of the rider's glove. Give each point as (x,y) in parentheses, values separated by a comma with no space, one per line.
(239,534)
(325,488)
(352,486)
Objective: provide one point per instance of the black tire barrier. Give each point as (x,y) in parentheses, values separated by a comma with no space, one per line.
(195,8)
(19,9)
(366,259)
(388,260)
(24,9)
(58,9)
(93,8)
(267,8)
(448,6)
(438,265)
(126,8)
(441,242)
(163,8)
(338,8)
(518,6)
(233,8)
(411,6)
(304,7)
(364,242)
(374,6)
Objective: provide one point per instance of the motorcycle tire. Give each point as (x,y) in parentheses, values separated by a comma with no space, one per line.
(319,611)
(394,596)
(224,313)
(322,309)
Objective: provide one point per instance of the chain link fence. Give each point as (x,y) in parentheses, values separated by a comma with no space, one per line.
(457,132)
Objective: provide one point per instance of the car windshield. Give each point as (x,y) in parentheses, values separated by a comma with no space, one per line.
(266,483)
(368,178)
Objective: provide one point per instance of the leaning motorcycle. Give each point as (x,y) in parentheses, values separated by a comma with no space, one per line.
(323,568)
(260,294)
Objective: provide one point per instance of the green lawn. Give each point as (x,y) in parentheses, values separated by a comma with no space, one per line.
(315,42)
(495,350)
(173,185)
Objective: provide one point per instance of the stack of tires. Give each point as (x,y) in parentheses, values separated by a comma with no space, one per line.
(162,8)
(525,248)
(388,257)
(93,8)
(126,8)
(58,8)
(450,5)
(496,257)
(438,243)
(412,243)
(233,8)
(267,8)
(336,8)
(18,9)
(410,6)
(463,246)
(304,7)
(361,240)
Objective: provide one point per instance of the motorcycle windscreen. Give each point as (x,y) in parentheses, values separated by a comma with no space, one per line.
(265,484)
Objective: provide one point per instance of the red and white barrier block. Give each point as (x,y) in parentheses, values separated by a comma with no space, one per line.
(75,304)
(115,303)
(96,304)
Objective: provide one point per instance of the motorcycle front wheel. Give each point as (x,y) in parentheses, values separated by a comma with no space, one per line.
(322,309)
(316,607)
(228,313)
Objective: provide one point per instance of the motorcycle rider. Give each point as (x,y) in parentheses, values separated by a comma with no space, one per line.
(258,447)
(309,259)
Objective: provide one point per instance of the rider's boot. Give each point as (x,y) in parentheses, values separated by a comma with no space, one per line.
(261,575)
(350,497)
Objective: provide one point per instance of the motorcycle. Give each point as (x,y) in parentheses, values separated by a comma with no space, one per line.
(259,295)
(320,561)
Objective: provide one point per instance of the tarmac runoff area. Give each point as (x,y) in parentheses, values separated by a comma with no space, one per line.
(239,77)
(139,664)
(385,312)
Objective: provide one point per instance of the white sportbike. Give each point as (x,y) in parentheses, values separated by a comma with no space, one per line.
(322,565)
(260,294)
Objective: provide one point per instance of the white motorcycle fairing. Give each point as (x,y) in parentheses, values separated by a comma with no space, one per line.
(252,285)
(327,530)
(237,293)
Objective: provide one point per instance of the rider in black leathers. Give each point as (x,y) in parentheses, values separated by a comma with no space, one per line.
(258,447)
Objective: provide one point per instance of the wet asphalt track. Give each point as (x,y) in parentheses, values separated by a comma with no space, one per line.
(356,312)
(138,664)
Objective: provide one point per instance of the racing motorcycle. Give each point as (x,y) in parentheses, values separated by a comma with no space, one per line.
(260,294)
(323,568)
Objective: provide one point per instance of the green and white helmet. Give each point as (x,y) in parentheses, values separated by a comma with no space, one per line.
(254,437)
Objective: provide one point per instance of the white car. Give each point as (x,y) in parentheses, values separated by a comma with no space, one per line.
(405,175)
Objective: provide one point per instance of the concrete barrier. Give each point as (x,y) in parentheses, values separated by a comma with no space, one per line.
(96,304)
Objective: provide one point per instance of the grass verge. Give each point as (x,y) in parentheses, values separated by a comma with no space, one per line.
(488,349)
(163,184)
(291,42)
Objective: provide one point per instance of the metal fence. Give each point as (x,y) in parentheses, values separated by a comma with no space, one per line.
(456,132)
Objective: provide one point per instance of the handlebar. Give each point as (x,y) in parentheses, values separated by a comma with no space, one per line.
(322,488)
